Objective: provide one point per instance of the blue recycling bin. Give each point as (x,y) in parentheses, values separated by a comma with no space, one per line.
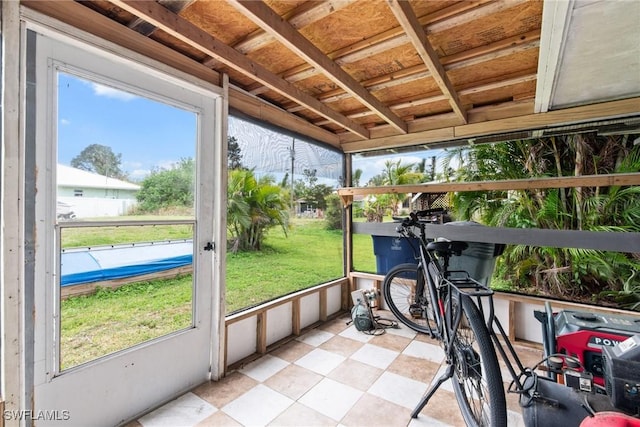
(393,250)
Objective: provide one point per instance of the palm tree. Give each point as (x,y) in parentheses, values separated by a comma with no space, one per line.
(253,206)
(355,178)
(395,173)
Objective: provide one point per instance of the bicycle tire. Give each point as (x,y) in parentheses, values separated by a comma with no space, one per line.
(477,380)
(398,289)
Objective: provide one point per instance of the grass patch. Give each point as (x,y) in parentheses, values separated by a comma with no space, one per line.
(112,320)
(97,236)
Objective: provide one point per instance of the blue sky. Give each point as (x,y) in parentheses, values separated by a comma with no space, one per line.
(151,134)
(147,133)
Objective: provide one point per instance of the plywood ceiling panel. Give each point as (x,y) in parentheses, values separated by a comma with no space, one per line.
(361,70)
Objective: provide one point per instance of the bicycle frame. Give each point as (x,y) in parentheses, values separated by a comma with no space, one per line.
(443,288)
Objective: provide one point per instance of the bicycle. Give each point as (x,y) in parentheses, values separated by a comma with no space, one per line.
(457,310)
(448,306)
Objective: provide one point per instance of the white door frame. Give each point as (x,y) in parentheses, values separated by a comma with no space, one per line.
(118,387)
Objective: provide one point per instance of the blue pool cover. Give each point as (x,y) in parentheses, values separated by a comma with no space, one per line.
(108,263)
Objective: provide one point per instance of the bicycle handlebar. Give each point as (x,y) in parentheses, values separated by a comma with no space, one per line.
(418,219)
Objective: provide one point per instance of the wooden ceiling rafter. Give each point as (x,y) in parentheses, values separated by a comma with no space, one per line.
(510,46)
(491,50)
(185,31)
(285,33)
(430,98)
(305,14)
(416,34)
(512,120)
(146,29)
(449,17)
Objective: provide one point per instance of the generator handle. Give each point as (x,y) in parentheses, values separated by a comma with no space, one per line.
(548,335)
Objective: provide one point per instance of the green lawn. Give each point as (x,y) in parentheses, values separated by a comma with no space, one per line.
(308,256)
(96,325)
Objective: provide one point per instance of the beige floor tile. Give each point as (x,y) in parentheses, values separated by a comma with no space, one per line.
(217,420)
(299,415)
(356,392)
(529,356)
(412,367)
(293,381)
(219,393)
(391,342)
(372,411)
(337,325)
(342,346)
(292,351)
(356,374)
(513,400)
(426,338)
(443,407)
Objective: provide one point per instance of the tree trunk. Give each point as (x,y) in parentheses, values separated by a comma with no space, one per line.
(579,144)
(556,156)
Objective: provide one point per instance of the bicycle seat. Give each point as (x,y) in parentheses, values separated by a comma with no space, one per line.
(445,247)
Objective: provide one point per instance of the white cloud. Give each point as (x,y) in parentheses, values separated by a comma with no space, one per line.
(139,174)
(110,92)
(166,164)
(64,122)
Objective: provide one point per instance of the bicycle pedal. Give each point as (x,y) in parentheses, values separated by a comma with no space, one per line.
(415,311)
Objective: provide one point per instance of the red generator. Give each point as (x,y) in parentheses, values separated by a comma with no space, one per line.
(584,334)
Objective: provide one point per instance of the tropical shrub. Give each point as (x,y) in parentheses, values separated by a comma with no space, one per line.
(333,213)
(562,272)
(165,188)
(253,207)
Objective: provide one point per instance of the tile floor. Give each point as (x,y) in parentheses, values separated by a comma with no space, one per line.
(331,376)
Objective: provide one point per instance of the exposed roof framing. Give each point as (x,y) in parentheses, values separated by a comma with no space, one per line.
(284,32)
(365,75)
(173,24)
(416,34)
(145,28)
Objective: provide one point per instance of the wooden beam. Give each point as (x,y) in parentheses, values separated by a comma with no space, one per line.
(258,108)
(296,314)
(505,47)
(285,33)
(86,19)
(194,36)
(556,17)
(619,179)
(409,21)
(510,122)
(300,17)
(585,113)
(413,101)
(438,21)
(323,305)
(261,333)
(146,29)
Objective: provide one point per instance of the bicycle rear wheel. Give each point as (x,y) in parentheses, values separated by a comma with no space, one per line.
(477,380)
(406,296)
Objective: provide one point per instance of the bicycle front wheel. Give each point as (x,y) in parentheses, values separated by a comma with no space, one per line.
(477,381)
(406,296)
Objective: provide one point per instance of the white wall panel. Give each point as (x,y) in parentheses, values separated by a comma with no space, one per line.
(241,339)
(309,310)
(279,323)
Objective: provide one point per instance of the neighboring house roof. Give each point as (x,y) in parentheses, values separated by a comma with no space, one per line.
(77,178)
